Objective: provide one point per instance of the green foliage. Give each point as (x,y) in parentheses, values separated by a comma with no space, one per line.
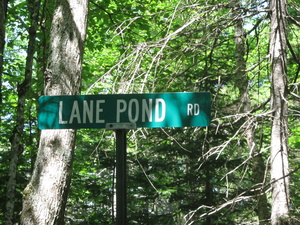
(175,176)
(15,53)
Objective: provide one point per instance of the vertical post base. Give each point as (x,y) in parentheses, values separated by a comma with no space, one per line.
(121,173)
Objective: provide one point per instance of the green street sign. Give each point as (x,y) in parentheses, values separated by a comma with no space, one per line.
(184,109)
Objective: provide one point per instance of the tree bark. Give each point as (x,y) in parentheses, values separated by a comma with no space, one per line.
(3,12)
(279,137)
(258,168)
(23,88)
(45,196)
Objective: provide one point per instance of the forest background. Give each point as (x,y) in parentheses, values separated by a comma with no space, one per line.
(221,174)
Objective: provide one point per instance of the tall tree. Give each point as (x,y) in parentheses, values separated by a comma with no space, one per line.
(23,88)
(3,12)
(279,137)
(45,196)
(258,167)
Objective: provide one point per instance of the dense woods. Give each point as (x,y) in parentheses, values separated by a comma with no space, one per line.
(242,169)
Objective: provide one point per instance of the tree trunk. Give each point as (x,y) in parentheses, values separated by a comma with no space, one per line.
(45,196)
(242,83)
(23,88)
(3,12)
(279,145)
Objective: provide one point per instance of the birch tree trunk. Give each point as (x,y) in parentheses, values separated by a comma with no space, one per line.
(279,144)
(45,196)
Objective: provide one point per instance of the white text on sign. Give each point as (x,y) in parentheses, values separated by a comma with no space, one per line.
(145,110)
(90,111)
(193,109)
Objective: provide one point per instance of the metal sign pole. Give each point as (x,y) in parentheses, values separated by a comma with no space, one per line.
(121,168)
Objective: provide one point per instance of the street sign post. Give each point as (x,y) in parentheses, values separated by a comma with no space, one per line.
(122,112)
(121,169)
(183,109)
